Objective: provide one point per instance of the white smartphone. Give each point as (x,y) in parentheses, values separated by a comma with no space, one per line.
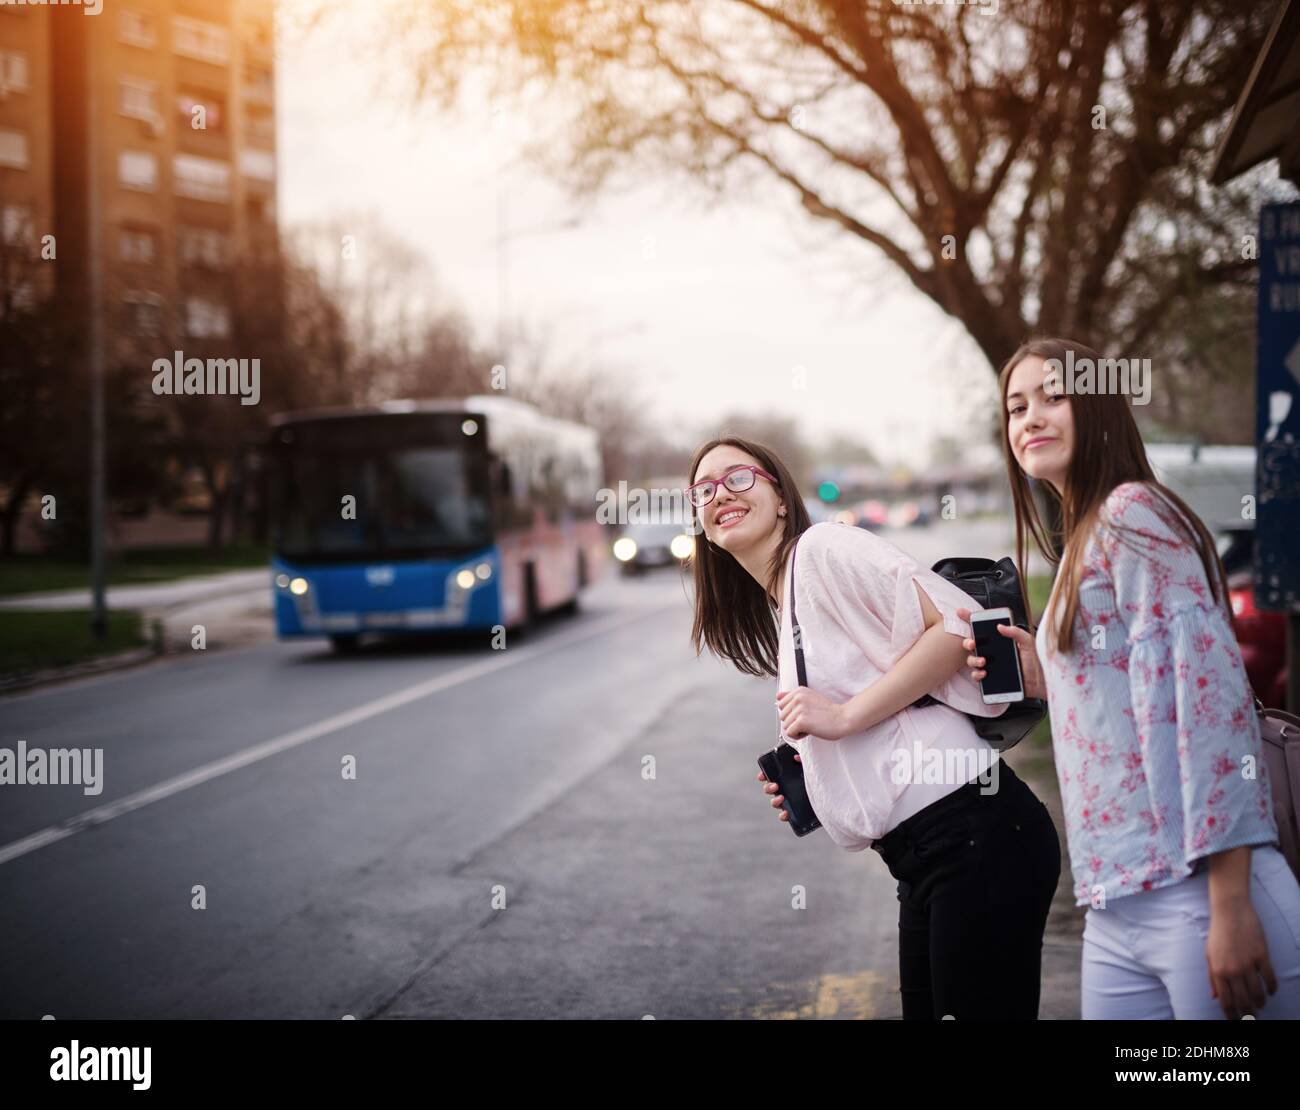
(1002,680)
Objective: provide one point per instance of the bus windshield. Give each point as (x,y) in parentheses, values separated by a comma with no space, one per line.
(410,501)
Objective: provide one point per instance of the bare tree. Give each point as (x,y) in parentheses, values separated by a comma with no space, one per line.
(35,375)
(1021,163)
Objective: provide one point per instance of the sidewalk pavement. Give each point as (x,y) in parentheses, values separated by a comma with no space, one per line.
(158,596)
(233,607)
(1063,938)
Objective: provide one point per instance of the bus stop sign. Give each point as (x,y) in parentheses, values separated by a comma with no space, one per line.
(1277,425)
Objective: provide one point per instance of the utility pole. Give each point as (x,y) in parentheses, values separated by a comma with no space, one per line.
(95,360)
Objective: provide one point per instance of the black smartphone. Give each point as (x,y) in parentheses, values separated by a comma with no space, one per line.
(1001,681)
(780,767)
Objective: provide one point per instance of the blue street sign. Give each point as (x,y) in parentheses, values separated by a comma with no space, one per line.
(1277,423)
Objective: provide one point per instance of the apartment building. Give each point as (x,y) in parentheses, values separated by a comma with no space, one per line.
(26,150)
(146,141)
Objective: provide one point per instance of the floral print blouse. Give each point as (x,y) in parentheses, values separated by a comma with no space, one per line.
(1157,745)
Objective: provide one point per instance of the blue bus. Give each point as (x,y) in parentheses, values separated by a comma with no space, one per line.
(429,516)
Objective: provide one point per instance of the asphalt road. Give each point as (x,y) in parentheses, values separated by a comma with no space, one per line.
(502,850)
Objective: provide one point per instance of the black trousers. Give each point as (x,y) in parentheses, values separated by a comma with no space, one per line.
(976,874)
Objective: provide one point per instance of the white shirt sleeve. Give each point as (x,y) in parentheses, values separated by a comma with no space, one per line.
(868,588)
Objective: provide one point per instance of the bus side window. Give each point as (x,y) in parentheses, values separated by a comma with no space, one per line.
(503,496)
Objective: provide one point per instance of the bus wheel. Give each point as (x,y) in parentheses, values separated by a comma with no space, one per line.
(344,643)
(570,607)
(531,613)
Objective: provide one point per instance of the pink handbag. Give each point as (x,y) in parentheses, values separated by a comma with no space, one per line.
(1280,732)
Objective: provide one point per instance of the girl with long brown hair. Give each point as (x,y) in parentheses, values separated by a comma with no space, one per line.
(1193,912)
(975,854)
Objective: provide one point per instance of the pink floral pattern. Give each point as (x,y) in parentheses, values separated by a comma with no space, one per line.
(1157,745)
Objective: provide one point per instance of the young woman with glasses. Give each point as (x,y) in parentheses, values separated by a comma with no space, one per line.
(975,854)
(1192,910)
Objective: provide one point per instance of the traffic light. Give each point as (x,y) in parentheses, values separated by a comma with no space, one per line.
(829,492)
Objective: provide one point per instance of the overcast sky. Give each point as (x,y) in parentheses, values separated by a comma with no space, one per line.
(701,309)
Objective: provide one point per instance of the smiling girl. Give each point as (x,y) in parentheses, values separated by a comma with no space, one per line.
(1193,912)
(975,854)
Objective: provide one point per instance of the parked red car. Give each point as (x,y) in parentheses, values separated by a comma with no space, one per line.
(1261,635)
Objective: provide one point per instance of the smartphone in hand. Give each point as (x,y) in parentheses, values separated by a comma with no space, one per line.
(1002,681)
(780,766)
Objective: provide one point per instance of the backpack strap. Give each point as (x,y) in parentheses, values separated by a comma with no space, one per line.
(800,667)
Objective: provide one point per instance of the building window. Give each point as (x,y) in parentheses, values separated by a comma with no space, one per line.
(213,114)
(16,225)
(259,85)
(139,99)
(259,210)
(143,313)
(13,71)
(20,294)
(259,35)
(137,245)
(13,150)
(205,319)
(202,178)
(261,127)
(137,170)
(136,29)
(195,38)
(257,164)
(203,246)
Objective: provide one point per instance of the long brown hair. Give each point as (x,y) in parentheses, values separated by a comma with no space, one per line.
(1108,452)
(733,612)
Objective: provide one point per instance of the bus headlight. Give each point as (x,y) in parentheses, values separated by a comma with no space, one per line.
(298,586)
(624,549)
(465,579)
(682,546)
(282,581)
(484,571)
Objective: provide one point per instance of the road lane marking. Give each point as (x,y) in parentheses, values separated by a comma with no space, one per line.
(267,748)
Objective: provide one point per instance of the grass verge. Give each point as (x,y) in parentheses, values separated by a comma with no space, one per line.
(34,641)
(25,574)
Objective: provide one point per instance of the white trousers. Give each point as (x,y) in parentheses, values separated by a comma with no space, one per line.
(1144,954)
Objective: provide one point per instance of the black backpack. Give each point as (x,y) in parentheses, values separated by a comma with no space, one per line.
(993,585)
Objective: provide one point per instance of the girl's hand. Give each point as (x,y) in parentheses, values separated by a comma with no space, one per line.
(1030,669)
(1236,954)
(772,788)
(804,712)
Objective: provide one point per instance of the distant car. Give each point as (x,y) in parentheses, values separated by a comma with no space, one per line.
(872,515)
(652,545)
(902,514)
(1261,635)
(1214,480)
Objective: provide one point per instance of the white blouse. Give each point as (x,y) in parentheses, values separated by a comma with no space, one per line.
(859,613)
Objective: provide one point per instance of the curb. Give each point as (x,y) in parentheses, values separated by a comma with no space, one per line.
(119,661)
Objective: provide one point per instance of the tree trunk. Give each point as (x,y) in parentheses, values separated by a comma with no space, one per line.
(9,515)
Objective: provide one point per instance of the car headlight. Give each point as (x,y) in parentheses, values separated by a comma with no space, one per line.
(624,549)
(682,546)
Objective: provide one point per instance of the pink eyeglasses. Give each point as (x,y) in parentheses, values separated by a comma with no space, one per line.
(737,479)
